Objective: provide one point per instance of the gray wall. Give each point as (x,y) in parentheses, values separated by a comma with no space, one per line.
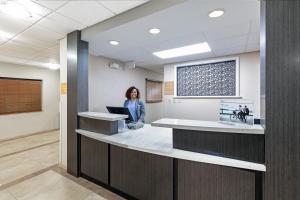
(108,86)
(207,108)
(14,125)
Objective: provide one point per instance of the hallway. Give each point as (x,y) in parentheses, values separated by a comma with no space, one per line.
(29,171)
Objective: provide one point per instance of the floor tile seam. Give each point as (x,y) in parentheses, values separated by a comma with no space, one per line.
(31,148)
(92,187)
(13,196)
(29,135)
(24,178)
(54,169)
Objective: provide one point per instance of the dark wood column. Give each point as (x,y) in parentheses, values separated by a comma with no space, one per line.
(77,81)
(280,70)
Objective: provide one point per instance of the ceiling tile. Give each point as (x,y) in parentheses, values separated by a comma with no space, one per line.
(227,31)
(12,25)
(85,12)
(118,7)
(254,38)
(53,5)
(14,45)
(35,11)
(46,60)
(255,25)
(60,24)
(37,64)
(27,41)
(11,59)
(182,24)
(252,47)
(7,51)
(175,42)
(52,52)
(227,43)
(42,34)
(230,51)
(133,54)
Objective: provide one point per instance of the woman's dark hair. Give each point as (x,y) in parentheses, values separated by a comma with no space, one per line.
(129,90)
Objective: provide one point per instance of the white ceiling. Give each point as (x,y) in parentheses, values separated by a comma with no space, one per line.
(35,40)
(237,31)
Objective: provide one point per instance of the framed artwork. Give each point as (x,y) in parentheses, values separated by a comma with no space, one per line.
(212,78)
(238,112)
(154,91)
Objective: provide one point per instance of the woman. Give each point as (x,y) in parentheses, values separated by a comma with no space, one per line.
(135,105)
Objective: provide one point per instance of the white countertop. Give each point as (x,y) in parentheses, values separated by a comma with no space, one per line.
(157,140)
(102,116)
(209,126)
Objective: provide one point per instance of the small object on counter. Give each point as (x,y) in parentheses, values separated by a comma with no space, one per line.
(135,125)
(121,126)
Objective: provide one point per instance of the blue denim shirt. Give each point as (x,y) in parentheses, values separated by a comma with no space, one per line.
(140,109)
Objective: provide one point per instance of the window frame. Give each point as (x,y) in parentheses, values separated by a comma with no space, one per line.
(161,90)
(41,93)
(237,77)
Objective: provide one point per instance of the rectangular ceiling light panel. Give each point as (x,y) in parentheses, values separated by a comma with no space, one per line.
(184,51)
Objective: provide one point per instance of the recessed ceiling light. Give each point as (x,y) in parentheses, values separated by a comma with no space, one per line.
(114,43)
(216,13)
(5,36)
(154,31)
(184,51)
(18,8)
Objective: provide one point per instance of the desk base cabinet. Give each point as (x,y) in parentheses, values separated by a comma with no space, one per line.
(212,182)
(141,175)
(144,176)
(94,159)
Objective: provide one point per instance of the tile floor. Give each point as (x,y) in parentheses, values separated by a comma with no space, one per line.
(33,141)
(29,171)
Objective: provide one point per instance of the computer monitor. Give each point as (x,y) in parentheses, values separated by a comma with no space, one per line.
(120,110)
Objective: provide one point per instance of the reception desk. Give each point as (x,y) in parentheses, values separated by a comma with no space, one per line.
(231,140)
(144,164)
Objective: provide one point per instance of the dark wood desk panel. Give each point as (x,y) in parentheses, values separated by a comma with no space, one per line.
(94,159)
(141,175)
(247,147)
(200,181)
(98,126)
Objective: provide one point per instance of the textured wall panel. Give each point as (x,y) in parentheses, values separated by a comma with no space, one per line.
(210,79)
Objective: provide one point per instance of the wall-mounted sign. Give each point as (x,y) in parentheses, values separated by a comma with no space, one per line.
(63,88)
(169,88)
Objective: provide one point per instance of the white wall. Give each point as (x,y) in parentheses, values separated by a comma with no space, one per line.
(108,86)
(14,125)
(208,109)
(63,105)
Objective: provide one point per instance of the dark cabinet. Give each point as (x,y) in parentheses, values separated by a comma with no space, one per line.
(141,175)
(201,181)
(94,159)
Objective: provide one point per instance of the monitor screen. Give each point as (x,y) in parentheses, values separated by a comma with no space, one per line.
(120,110)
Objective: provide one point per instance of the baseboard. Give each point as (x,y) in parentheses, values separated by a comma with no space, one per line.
(27,135)
(62,166)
